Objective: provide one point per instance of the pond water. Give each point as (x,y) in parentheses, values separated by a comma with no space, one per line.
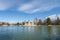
(29,33)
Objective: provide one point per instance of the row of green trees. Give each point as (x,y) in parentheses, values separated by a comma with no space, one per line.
(48,21)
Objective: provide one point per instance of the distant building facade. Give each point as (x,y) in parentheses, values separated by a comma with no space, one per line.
(34,23)
(28,23)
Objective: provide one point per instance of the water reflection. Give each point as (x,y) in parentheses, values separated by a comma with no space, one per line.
(30,33)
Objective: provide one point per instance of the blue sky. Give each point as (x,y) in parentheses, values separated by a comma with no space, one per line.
(23,10)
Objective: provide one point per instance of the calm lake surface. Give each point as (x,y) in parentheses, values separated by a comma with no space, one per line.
(29,33)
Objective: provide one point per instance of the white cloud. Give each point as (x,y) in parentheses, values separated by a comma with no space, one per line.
(30,6)
(6,4)
(53,17)
(25,7)
(39,5)
(2,7)
(35,10)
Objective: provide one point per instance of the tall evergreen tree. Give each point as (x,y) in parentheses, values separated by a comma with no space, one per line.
(48,21)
